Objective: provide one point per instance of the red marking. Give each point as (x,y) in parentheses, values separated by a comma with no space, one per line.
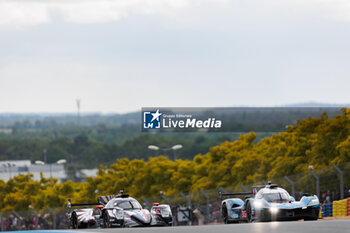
(121,191)
(98,207)
(243,214)
(144,215)
(155,204)
(157,210)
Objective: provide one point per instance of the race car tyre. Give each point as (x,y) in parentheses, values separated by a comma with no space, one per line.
(310,219)
(315,214)
(74,221)
(106,222)
(224,214)
(249,212)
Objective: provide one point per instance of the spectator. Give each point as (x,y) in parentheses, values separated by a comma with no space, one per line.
(199,216)
(328,197)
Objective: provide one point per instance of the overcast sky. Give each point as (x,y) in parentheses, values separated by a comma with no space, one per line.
(121,55)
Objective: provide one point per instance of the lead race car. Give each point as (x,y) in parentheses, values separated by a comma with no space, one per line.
(117,211)
(270,203)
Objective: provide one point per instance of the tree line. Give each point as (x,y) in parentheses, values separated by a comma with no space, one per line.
(319,142)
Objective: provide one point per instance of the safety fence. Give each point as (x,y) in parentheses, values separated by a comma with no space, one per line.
(331,184)
(33,220)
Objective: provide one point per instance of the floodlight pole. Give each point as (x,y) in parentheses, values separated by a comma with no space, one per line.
(291,184)
(165,199)
(317,182)
(174,148)
(341,177)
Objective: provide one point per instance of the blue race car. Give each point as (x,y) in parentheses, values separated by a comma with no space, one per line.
(270,203)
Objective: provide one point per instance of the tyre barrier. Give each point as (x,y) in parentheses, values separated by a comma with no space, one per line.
(340,208)
(327,210)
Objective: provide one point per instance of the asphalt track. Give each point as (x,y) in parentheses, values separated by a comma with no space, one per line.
(326,226)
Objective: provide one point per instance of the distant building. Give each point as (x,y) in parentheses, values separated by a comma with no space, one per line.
(81,174)
(11,168)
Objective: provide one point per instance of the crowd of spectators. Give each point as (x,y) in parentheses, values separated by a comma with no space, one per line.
(332,195)
(44,221)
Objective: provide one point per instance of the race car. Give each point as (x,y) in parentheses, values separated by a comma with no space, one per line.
(82,218)
(118,211)
(161,215)
(270,203)
(233,209)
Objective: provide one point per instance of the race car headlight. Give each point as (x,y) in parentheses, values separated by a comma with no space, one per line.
(273,210)
(258,204)
(314,202)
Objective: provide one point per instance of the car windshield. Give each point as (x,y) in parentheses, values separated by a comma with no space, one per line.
(130,204)
(276,197)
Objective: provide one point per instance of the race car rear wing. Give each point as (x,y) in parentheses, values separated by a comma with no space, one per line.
(105,199)
(233,194)
(69,204)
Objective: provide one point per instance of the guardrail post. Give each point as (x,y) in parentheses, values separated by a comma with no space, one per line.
(2,223)
(207,205)
(165,199)
(317,183)
(291,184)
(53,217)
(148,204)
(36,218)
(341,177)
(244,188)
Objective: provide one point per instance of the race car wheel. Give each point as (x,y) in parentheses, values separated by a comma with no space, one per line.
(315,214)
(74,221)
(249,212)
(224,214)
(106,222)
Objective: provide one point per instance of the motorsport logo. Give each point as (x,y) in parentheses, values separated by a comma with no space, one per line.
(151,120)
(167,119)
